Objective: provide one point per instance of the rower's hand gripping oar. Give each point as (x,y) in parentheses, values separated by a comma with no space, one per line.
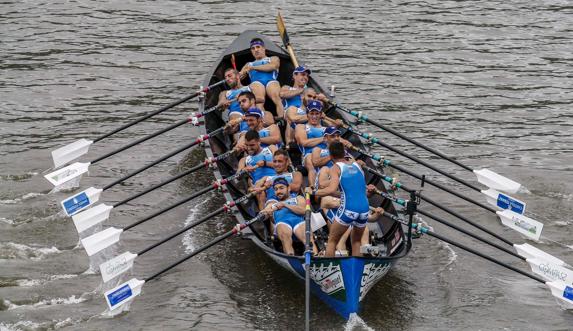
(103,239)
(124,262)
(72,173)
(485,176)
(84,199)
(100,213)
(560,290)
(70,152)
(127,291)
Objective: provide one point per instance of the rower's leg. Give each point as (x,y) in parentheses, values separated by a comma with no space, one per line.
(273,89)
(336,231)
(329,202)
(268,119)
(365,237)
(356,236)
(285,235)
(310,168)
(300,233)
(341,245)
(259,91)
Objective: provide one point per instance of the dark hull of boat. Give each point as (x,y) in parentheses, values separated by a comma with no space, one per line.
(340,282)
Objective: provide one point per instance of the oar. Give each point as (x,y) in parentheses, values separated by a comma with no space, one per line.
(484,176)
(103,239)
(286,41)
(127,291)
(541,263)
(74,171)
(80,201)
(100,213)
(520,223)
(307,256)
(124,262)
(559,289)
(80,147)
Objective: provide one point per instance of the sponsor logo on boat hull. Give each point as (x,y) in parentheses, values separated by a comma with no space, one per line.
(371,274)
(328,276)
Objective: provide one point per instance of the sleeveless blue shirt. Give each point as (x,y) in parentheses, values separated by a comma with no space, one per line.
(251,160)
(262,76)
(352,188)
(286,215)
(313,132)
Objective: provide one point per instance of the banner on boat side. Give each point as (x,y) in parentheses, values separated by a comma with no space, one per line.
(371,274)
(328,275)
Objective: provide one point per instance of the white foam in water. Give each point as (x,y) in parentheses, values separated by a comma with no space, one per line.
(51,302)
(22,198)
(188,236)
(354,321)
(452,254)
(19,326)
(7,221)
(36,282)
(12,250)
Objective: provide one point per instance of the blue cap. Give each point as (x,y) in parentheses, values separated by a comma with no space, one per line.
(314,105)
(257,41)
(300,69)
(280,180)
(254,111)
(331,130)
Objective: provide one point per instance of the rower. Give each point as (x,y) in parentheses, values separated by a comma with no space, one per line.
(321,156)
(246,100)
(287,213)
(264,186)
(271,135)
(347,176)
(292,95)
(258,160)
(228,98)
(310,135)
(263,73)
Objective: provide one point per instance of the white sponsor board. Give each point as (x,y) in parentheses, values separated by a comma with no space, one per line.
(372,273)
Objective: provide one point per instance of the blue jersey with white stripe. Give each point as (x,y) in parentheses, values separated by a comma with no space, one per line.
(251,160)
(299,111)
(287,216)
(352,188)
(313,132)
(295,101)
(271,191)
(262,76)
(232,95)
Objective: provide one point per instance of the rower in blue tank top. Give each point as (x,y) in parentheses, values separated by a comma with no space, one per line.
(269,135)
(258,161)
(228,98)
(292,95)
(270,192)
(263,77)
(310,135)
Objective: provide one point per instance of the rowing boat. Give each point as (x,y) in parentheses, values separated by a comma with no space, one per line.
(341,282)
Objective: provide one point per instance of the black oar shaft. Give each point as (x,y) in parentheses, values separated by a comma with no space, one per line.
(468,249)
(177,151)
(176,204)
(178,232)
(410,140)
(139,141)
(162,109)
(307,256)
(207,246)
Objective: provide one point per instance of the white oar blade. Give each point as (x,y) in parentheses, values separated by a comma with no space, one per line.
(124,293)
(522,224)
(81,201)
(563,293)
(496,181)
(531,252)
(101,240)
(116,266)
(550,272)
(70,152)
(91,217)
(67,174)
(504,201)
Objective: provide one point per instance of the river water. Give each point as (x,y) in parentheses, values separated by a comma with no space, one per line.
(488,82)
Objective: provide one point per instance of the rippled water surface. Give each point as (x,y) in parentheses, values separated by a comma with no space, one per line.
(488,82)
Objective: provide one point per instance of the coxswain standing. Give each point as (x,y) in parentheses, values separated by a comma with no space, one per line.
(258,160)
(287,213)
(348,177)
(263,73)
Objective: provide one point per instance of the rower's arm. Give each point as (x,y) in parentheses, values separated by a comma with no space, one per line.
(297,181)
(294,117)
(274,65)
(300,206)
(274,136)
(303,140)
(286,92)
(332,185)
(317,160)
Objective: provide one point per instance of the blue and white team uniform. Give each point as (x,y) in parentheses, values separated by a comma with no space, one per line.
(312,132)
(299,111)
(295,101)
(251,160)
(323,153)
(262,77)
(287,216)
(270,192)
(263,133)
(354,205)
(234,106)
